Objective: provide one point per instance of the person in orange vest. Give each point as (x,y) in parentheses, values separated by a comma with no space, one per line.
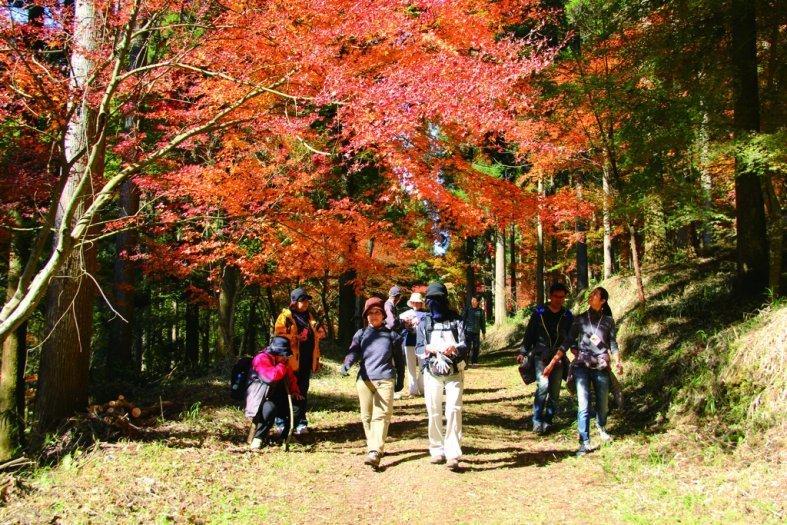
(297,324)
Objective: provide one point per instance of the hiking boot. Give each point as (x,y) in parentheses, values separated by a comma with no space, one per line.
(372,459)
(300,430)
(583,449)
(437,460)
(545,427)
(397,395)
(538,428)
(256,444)
(453,464)
(603,436)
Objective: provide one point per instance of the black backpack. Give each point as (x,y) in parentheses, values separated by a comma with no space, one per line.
(239,378)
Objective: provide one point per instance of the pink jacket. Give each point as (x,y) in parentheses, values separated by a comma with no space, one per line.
(270,372)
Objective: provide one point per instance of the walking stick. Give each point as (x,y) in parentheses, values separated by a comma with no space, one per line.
(292,418)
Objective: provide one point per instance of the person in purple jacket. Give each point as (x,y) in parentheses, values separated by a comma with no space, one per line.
(378,350)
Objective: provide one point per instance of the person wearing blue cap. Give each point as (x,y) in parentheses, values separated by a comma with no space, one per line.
(266,395)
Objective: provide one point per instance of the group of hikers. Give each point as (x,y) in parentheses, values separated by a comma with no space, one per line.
(430,345)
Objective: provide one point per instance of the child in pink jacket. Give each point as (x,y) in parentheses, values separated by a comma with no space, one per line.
(266,395)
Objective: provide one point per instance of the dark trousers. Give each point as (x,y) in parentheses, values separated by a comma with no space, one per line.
(276,406)
(473,342)
(303,375)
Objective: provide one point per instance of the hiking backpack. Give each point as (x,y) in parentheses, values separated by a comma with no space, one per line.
(239,378)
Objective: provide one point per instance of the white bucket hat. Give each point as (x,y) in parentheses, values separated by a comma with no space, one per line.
(415,297)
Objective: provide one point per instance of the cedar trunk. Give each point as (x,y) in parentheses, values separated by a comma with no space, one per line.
(348,324)
(500,278)
(752,240)
(230,283)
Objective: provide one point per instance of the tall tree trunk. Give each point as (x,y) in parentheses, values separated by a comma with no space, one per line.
(775,237)
(326,309)
(230,283)
(12,383)
(119,353)
(65,355)
(609,267)
(500,278)
(205,335)
(512,267)
(635,263)
(250,344)
(347,308)
(752,240)
(706,186)
(470,284)
(540,250)
(192,334)
(582,257)
(273,313)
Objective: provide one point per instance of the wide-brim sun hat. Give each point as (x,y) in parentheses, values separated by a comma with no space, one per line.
(415,297)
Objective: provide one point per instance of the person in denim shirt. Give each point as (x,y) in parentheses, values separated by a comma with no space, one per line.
(592,339)
(547,329)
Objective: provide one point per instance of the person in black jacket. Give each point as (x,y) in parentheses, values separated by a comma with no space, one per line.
(379,352)
(475,326)
(546,331)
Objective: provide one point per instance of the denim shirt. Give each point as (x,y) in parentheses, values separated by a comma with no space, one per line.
(583,328)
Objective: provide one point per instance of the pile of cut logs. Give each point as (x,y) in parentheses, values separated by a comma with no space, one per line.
(129,418)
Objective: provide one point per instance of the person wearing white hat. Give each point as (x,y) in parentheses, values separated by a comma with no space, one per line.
(410,320)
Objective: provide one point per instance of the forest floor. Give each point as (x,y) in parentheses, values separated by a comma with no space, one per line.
(197,469)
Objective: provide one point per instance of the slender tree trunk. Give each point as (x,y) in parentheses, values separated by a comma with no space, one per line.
(119,353)
(706,184)
(609,267)
(512,267)
(206,316)
(273,313)
(500,278)
(540,251)
(192,334)
(775,236)
(326,306)
(347,307)
(470,284)
(12,383)
(635,263)
(752,240)
(250,344)
(230,283)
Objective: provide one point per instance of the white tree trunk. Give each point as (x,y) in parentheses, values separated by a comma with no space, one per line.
(500,278)
(607,223)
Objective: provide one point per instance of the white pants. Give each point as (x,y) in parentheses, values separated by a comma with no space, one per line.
(414,376)
(444,441)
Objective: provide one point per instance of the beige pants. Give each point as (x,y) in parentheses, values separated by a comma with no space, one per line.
(376,399)
(444,441)
(414,375)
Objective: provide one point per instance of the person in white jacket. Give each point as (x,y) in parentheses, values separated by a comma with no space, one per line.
(410,320)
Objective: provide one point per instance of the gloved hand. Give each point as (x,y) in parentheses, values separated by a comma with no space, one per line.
(441,364)
(344,370)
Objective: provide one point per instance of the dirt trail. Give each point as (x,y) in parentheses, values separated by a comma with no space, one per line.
(201,472)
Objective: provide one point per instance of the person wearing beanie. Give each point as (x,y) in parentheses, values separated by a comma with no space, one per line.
(410,320)
(377,349)
(440,344)
(299,326)
(266,395)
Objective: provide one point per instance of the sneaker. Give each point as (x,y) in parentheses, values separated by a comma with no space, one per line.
(545,427)
(372,459)
(301,430)
(256,444)
(452,464)
(276,432)
(603,436)
(437,460)
(583,449)
(538,428)
(397,395)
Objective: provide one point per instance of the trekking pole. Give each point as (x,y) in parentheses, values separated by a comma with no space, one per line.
(292,418)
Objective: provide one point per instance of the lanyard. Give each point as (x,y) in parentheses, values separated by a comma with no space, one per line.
(595,330)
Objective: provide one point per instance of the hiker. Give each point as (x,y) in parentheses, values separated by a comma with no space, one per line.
(270,379)
(546,330)
(298,325)
(410,320)
(391,320)
(440,344)
(593,341)
(378,351)
(475,327)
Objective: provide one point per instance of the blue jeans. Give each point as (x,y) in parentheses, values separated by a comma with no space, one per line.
(547,393)
(600,380)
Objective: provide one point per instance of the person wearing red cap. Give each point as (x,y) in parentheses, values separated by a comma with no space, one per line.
(378,350)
